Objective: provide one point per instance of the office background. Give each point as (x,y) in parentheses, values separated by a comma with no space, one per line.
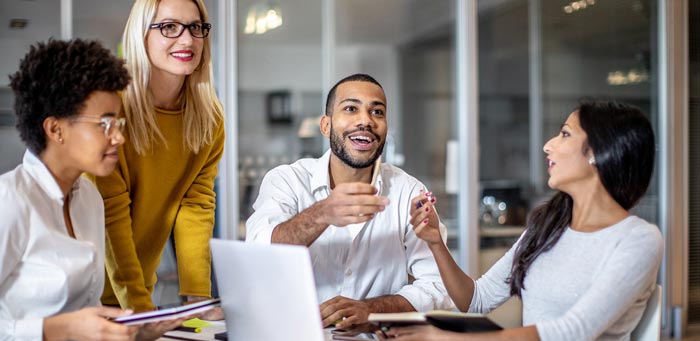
(474,89)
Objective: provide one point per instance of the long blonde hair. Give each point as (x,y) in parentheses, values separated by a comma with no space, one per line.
(202,109)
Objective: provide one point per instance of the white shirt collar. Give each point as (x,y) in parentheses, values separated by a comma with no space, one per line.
(41,174)
(320,174)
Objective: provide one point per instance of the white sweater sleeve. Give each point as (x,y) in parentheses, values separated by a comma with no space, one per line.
(491,290)
(626,278)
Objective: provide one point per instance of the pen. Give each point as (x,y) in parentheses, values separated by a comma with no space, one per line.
(375,171)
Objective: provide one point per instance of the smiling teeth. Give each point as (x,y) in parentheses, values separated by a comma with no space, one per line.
(551,163)
(364,138)
(182,55)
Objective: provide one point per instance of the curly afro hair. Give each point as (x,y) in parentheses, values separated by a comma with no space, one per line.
(55,78)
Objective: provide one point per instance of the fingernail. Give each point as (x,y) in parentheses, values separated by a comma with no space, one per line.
(432,199)
(425,221)
(427,209)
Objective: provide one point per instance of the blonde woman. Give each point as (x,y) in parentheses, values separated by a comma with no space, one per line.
(164,182)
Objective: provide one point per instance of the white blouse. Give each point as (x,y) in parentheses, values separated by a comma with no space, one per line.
(43,271)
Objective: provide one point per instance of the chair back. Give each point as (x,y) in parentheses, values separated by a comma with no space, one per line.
(649,327)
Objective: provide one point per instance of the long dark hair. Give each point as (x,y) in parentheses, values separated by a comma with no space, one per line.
(622,141)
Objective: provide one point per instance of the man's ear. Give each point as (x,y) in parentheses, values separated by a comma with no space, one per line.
(52,129)
(325,125)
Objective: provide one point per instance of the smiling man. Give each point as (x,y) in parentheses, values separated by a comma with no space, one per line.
(365,255)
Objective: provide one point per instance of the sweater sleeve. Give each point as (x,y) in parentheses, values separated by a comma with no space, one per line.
(626,277)
(492,289)
(122,263)
(195,223)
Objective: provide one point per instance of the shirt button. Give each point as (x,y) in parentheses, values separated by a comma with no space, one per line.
(348,272)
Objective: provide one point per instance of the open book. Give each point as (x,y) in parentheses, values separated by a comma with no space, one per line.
(169,313)
(448,320)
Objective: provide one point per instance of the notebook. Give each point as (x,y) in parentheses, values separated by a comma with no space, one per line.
(448,320)
(267,291)
(167,314)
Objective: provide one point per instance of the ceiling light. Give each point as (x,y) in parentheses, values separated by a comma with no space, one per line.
(633,76)
(576,6)
(262,17)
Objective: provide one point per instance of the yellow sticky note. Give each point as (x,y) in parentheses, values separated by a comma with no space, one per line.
(196,323)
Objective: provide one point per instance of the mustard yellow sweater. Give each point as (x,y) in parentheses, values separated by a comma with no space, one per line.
(147,197)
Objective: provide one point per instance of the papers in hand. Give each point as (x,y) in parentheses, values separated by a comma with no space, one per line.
(454,321)
(169,313)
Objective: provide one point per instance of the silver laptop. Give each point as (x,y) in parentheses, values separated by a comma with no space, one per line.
(267,291)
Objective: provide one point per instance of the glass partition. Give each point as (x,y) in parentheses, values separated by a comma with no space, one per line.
(409,47)
(537,59)
(279,90)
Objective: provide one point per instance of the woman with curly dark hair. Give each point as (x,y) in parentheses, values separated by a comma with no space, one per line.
(51,219)
(585,267)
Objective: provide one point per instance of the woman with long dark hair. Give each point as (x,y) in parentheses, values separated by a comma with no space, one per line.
(585,267)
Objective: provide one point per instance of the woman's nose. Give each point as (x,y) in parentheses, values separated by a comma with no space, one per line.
(547,148)
(117,138)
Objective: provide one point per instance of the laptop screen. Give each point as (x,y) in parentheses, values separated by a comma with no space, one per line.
(267,291)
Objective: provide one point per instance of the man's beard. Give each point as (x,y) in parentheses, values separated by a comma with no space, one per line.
(338,148)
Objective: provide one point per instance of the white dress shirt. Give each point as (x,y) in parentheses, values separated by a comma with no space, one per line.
(357,261)
(43,271)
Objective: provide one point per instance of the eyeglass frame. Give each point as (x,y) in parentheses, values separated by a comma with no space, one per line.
(106,121)
(206,27)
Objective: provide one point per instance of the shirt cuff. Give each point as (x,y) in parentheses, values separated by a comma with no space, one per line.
(416,297)
(29,329)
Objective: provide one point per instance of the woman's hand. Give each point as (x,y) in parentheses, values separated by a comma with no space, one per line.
(214,314)
(88,324)
(424,218)
(420,333)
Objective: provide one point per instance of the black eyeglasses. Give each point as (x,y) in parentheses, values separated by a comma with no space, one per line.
(174,29)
